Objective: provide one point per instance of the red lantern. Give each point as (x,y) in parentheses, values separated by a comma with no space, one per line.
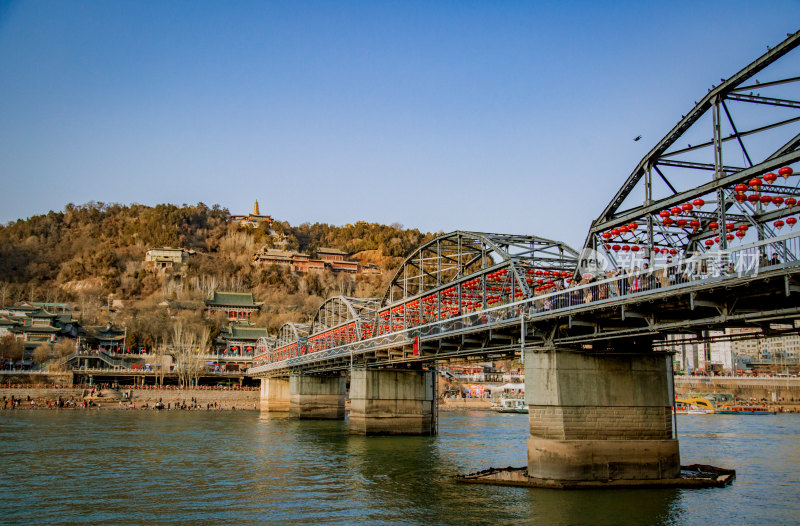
(777,200)
(681,222)
(742,228)
(778,224)
(785,172)
(633,225)
(625,248)
(656,250)
(606,235)
(730,227)
(791,221)
(623,229)
(672,251)
(716,240)
(765,200)
(790,202)
(698,203)
(740,234)
(755,183)
(687,207)
(675,211)
(667,221)
(740,198)
(709,242)
(729,237)
(634,248)
(770,178)
(753,198)
(664,214)
(740,188)
(615,248)
(713,226)
(695,224)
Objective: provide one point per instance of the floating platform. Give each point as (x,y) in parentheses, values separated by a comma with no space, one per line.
(693,476)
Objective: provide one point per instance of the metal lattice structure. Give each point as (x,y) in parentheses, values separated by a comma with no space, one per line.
(710,181)
(449,258)
(291,332)
(341,310)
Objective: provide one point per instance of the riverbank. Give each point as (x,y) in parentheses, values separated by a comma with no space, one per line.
(44,398)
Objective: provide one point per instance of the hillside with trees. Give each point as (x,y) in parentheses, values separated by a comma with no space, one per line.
(92,256)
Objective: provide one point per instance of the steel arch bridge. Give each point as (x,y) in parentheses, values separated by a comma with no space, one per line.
(714,194)
(711,181)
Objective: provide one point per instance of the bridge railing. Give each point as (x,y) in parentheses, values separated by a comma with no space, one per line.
(698,269)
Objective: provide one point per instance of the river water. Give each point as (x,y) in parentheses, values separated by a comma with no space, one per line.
(239,467)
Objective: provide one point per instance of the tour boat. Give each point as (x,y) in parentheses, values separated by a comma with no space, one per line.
(745,409)
(511,405)
(693,406)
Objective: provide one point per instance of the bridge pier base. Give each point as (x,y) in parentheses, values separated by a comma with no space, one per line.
(318,397)
(274,394)
(392,402)
(599,417)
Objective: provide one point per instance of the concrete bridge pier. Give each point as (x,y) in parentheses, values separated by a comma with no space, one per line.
(600,417)
(318,397)
(392,402)
(275,394)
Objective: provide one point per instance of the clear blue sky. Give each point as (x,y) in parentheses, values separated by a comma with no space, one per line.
(513,117)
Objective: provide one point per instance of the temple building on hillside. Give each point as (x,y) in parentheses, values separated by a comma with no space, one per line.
(106,337)
(254,219)
(336,260)
(240,339)
(237,305)
(293,261)
(166,258)
(35,326)
(329,259)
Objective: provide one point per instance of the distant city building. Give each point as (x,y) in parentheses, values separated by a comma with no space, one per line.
(237,305)
(254,219)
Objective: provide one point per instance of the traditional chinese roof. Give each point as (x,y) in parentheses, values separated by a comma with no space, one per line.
(328,250)
(240,332)
(106,333)
(233,299)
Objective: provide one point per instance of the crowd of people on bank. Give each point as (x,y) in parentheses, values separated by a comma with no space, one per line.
(131,386)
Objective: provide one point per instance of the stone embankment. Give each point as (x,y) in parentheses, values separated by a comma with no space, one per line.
(127,398)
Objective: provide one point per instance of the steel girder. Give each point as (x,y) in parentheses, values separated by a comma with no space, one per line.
(341,310)
(741,129)
(451,257)
(291,332)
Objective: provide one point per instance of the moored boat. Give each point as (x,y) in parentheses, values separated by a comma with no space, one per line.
(745,410)
(511,405)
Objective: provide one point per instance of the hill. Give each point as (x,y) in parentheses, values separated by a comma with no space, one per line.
(93,256)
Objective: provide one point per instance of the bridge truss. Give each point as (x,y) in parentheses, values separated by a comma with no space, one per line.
(714,194)
(711,181)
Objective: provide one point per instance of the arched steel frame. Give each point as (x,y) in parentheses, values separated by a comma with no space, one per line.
(685,196)
(291,332)
(341,319)
(467,271)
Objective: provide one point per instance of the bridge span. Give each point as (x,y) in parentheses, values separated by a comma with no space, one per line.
(692,241)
